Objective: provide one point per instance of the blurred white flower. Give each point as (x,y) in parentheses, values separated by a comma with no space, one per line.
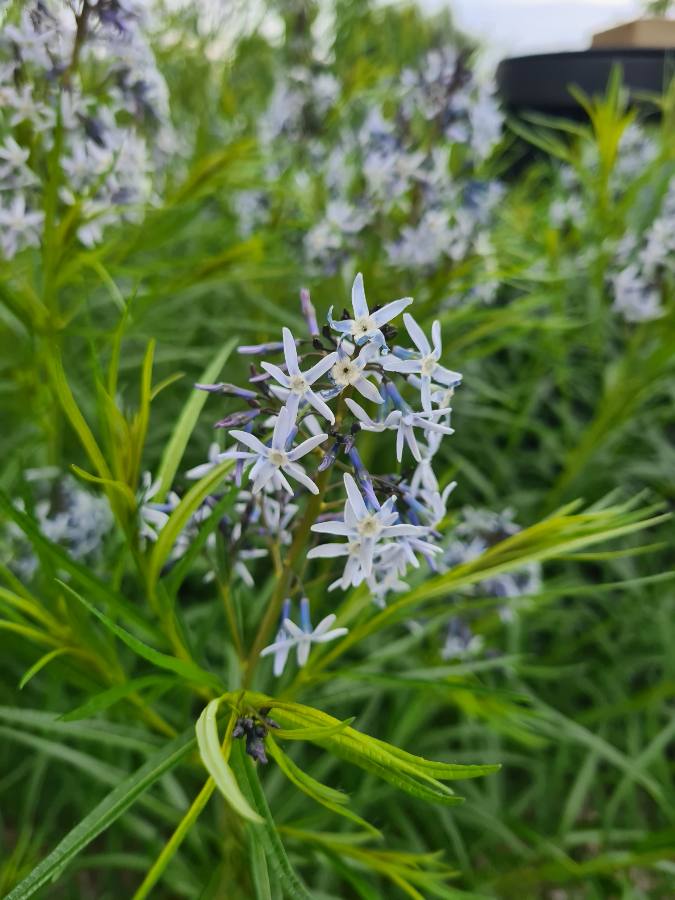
(20,227)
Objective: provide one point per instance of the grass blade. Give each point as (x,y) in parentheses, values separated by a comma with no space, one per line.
(175,448)
(104,814)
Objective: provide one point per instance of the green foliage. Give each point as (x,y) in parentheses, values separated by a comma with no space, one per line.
(108,661)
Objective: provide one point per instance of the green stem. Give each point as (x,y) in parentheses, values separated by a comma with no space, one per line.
(186,822)
(175,840)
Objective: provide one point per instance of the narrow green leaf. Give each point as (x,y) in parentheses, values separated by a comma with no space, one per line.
(216,765)
(291,883)
(187,670)
(72,411)
(174,842)
(175,448)
(180,517)
(260,875)
(109,697)
(104,814)
(41,663)
(313,733)
(320,793)
(118,486)
(405,771)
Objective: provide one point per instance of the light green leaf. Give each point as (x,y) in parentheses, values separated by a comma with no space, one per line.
(333,800)
(41,663)
(313,733)
(216,765)
(175,448)
(186,669)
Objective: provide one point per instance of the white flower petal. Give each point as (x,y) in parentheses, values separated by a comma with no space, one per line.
(341,529)
(368,390)
(355,497)
(290,352)
(418,336)
(320,405)
(320,368)
(276,373)
(330,635)
(282,428)
(436,338)
(359,304)
(296,471)
(390,311)
(328,551)
(306,446)
(250,440)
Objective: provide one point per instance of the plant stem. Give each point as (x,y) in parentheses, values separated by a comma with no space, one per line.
(185,824)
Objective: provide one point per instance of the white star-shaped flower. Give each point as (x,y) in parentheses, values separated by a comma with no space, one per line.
(348,372)
(270,463)
(13,155)
(364,530)
(297,384)
(21,226)
(301,637)
(424,362)
(365,326)
(403,422)
(153,516)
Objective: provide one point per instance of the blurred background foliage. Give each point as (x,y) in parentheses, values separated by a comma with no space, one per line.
(568,393)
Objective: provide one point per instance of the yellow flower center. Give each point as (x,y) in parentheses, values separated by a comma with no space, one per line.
(428,365)
(369,526)
(278,458)
(345,372)
(362,326)
(297,384)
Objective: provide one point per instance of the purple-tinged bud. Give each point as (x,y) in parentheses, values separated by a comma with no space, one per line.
(364,480)
(349,441)
(329,457)
(327,334)
(261,349)
(309,312)
(238,419)
(224,388)
(212,388)
(93,129)
(415,508)
(239,472)
(393,394)
(255,748)
(259,378)
(305,622)
(402,353)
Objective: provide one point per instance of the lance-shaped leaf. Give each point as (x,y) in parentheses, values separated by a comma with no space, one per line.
(216,765)
(333,800)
